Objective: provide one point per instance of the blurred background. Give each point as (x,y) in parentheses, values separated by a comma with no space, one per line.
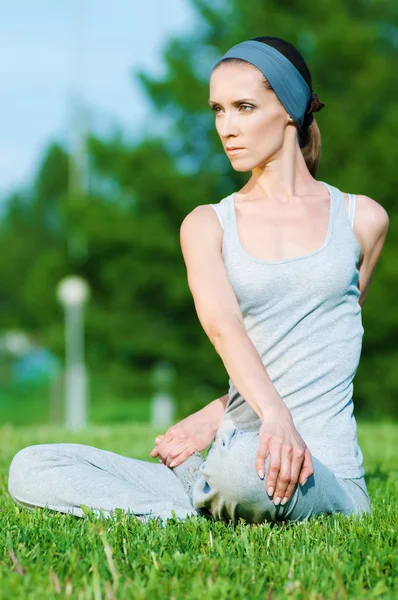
(107,143)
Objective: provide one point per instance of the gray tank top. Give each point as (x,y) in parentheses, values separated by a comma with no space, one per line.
(303,316)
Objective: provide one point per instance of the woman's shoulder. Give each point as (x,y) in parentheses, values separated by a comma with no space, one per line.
(372,210)
(201,232)
(209,212)
(371,223)
(201,217)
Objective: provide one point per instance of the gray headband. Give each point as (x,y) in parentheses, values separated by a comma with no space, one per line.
(286,81)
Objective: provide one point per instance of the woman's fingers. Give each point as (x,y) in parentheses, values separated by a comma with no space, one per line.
(169,451)
(182,457)
(274,467)
(283,476)
(290,459)
(163,445)
(283,472)
(295,468)
(262,454)
(169,435)
(174,452)
(154,452)
(307,469)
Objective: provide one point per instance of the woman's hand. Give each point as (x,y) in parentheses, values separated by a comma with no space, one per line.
(190,435)
(290,458)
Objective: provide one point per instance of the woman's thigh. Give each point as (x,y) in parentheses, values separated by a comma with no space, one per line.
(230,488)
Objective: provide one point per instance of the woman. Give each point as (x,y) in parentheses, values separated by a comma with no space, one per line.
(279,272)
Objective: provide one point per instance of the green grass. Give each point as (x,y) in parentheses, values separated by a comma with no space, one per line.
(49,555)
(34,406)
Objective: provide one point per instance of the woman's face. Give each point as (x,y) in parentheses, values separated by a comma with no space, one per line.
(248,116)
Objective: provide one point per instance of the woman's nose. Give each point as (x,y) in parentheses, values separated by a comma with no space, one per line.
(227,127)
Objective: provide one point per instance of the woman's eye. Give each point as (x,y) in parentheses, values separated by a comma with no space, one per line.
(216,108)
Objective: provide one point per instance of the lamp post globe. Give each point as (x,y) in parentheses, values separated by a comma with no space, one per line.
(73,290)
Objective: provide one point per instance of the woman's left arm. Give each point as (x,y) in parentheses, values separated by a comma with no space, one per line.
(370,227)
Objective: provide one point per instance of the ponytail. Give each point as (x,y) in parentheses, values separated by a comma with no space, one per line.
(310,144)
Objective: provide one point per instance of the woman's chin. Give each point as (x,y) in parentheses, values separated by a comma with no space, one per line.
(241,167)
(240,162)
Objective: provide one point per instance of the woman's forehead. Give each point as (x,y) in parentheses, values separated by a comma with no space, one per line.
(233,80)
(232,70)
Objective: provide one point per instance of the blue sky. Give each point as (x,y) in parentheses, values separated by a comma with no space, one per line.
(45,55)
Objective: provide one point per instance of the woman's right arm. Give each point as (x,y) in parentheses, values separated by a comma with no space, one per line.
(221,318)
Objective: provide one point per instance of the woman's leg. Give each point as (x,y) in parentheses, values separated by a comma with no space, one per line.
(64,476)
(229,487)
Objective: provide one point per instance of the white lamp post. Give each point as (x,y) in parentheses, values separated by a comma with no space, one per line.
(73,292)
(162,405)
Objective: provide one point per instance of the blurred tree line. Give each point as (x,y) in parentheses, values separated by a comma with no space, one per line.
(123,238)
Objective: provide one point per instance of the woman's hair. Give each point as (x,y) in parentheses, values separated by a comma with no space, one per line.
(309,137)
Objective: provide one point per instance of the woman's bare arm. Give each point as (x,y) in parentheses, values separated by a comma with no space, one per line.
(214,411)
(219,312)
(211,415)
(371,227)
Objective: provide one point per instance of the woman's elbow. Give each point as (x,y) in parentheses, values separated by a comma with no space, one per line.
(225,330)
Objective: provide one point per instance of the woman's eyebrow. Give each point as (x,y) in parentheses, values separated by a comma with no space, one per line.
(236,102)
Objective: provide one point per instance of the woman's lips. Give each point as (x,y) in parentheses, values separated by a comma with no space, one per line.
(234,150)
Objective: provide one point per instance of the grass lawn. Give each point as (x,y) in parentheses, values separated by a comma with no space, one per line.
(50,555)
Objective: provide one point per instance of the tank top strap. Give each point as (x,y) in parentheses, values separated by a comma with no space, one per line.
(351,209)
(218,210)
(223,210)
(343,214)
(340,208)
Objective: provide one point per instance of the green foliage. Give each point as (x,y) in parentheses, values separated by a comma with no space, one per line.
(124,236)
(44,554)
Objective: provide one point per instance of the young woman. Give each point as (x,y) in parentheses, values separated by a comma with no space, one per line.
(279,272)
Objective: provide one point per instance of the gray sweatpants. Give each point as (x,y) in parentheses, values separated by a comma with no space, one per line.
(224,486)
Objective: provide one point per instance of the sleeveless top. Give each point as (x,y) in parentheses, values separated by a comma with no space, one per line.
(303,317)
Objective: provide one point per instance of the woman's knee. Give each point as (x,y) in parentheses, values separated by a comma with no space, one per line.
(22,477)
(231,472)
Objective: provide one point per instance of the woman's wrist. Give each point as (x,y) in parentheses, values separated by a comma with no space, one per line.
(216,409)
(275,408)
(211,414)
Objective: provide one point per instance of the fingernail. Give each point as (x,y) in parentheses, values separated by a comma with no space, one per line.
(277,501)
(304,482)
(261,474)
(173,464)
(270,491)
(284,500)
